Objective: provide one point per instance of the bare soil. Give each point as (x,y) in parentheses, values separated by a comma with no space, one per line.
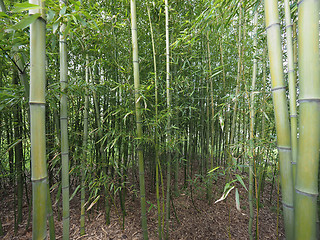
(191,218)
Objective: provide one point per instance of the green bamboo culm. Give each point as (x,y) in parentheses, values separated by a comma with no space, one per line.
(37,121)
(168,119)
(278,89)
(137,96)
(84,149)
(156,134)
(292,88)
(52,231)
(211,104)
(252,117)
(64,128)
(168,127)
(309,120)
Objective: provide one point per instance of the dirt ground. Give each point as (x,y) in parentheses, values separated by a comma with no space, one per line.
(192,217)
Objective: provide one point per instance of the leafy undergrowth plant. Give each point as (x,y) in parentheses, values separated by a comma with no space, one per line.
(229,186)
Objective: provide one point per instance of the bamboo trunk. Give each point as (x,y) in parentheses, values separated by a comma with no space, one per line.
(64,129)
(168,119)
(281,112)
(37,122)
(138,117)
(84,149)
(292,88)
(252,118)
(309,99)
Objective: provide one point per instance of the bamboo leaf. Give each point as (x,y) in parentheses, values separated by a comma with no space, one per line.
(221,122)
(50,15)
(237,200)
(3,15)
(212,170)
(25,22)
(74,193)
(25,6)
(67,28)
(93,203)
(63,11)
(224,195)
(241,181)
(55,27)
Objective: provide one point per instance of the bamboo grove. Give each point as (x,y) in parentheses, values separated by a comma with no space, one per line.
(107,101)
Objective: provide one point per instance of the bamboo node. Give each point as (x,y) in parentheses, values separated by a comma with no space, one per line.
(302,100)
(278,88)
(312,195)
(271,25)
(284,148)
(287,205)
(39,180)
(289,25)
(36,103)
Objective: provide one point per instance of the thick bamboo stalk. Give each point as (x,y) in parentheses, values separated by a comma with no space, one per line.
(309,119)
(292,88)
(138,117)
(64,129)
(37,122)
(281,112)
(52,231)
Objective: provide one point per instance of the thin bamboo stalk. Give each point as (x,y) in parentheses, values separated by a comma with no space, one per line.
(281,112)
(84,149)
(64,128)
(212,114)
(292,87)
(138,117)
(37,121)
(252,119)
(169,118)
(235,107)
(309,119)
(156,134)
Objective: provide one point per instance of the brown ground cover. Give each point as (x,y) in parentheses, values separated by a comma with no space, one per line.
(193,218)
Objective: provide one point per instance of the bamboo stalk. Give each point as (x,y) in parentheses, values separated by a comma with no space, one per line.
(64,128)
(309,142)
(281,112)
(37,122)
(83,162)
(168,119)
(156,135)
(252,118)
(292,88)
(138,117)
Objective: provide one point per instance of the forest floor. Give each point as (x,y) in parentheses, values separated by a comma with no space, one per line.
(193,218)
